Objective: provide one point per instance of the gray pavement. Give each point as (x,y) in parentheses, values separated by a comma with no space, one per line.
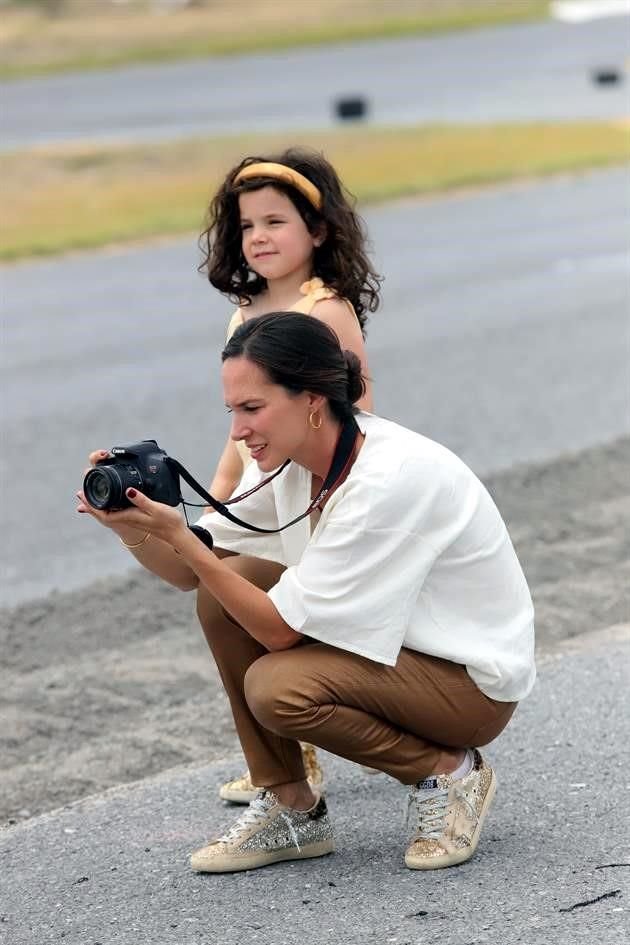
(538,71)
(552,865)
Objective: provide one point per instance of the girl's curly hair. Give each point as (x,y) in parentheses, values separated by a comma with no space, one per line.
(341,261)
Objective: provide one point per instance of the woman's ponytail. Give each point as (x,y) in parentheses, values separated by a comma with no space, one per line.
(356,381)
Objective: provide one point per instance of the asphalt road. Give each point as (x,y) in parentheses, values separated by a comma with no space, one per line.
(538,71)
(552,864)
(503,334)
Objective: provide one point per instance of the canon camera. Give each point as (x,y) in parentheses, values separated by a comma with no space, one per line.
(142,466)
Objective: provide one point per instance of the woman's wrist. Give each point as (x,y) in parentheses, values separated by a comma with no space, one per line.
(190,542)
(129,535)
(132,537)
(135,544)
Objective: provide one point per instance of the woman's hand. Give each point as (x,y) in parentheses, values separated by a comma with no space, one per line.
(144,520)
(143,517)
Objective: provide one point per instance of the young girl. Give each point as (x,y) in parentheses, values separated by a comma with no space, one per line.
(282,235)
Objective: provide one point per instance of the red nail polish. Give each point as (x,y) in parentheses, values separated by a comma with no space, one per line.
(131,493)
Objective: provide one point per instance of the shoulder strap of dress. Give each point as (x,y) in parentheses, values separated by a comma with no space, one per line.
(315,291)
(308,303)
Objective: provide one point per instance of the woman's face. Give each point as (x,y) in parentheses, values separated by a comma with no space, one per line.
(275,239)
(272,422)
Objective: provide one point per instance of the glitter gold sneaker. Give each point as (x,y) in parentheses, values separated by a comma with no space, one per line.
(450,816)
(268,832)
(242,791)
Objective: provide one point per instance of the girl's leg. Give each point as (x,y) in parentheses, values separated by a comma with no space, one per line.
(402,720)
(272,759)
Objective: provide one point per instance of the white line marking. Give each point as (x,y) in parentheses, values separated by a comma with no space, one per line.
(578,11)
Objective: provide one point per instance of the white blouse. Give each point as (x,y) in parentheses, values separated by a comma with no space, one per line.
(409,551)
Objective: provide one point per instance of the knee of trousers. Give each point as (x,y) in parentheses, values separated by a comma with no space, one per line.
(275,697)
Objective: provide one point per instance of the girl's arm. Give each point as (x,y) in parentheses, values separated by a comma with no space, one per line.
(228,473)
(339,316)
(230,466)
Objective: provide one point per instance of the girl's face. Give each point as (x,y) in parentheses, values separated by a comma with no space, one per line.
(271,422)
(275,239)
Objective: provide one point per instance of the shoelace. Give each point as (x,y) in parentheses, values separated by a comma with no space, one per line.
(255,814)
(431,809)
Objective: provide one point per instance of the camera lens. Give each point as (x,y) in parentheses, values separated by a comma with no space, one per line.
(100,488)
(104,488)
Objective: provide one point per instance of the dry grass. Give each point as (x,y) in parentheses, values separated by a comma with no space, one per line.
(76,197)
(94,35)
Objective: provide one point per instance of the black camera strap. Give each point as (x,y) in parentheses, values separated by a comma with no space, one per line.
(340,462)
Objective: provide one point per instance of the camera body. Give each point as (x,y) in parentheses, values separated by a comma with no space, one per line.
(140,466)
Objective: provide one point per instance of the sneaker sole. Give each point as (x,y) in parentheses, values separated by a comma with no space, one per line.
(232,864)
(236,796)
(460,856)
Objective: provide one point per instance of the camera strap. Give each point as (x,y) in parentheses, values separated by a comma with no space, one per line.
(338,468)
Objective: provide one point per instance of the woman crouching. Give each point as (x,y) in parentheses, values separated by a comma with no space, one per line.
(391,625)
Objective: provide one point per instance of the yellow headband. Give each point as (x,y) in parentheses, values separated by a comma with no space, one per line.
(285,174)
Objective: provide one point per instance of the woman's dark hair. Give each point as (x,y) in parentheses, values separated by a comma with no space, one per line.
(301,353)
(341,261)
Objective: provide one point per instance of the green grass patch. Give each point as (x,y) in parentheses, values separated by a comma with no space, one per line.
(32,45)
(81,197)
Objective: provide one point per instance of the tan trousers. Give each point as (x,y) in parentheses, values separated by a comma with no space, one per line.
(397,719)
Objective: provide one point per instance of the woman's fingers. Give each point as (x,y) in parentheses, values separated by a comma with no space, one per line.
(96,456)
(85,508)
(111,518)
(143,514)
(154,515)
(160,519)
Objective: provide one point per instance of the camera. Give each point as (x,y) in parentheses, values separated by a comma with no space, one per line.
(142,466)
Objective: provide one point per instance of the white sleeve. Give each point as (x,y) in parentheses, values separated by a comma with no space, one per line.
(358,581)
(259,509)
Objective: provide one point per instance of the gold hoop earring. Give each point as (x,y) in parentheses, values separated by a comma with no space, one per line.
(312,423)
